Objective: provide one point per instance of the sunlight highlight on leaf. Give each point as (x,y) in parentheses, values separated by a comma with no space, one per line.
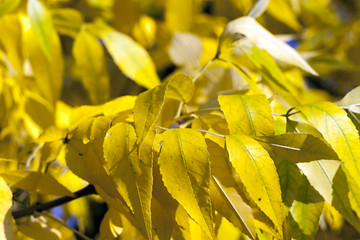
(247,28)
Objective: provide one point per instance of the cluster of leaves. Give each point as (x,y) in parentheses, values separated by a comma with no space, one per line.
(242,149)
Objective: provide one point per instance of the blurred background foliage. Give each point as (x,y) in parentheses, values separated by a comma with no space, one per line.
(180,36)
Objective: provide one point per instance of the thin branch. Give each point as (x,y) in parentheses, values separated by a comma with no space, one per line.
(88,190)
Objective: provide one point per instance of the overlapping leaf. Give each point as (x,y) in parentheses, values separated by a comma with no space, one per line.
(341,134)
(132,175)
(258,174)
(298,147)
(185,170)
(247,28)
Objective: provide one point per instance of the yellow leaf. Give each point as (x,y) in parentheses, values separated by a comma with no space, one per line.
(133,176)
(8,6)
(179,15)
(89,57)
(111,225)
(230,205)
(83,112)
(92,128)
(11,41)
(120,104)
(185,169)
(180,88)
(245,29)
(298,147)
(229,232)
(320,175)
(147,109)
(341,134)
(67,21)
(35,181)
(287,16)
(48,72)
(163,220)
(132,59)
(41,21)
(40,111)
(6,231)
(36,230)
(258,174)
(249,115)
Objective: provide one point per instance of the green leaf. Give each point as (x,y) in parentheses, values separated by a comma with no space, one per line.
(35,181)
(133,176)
(180,88)
(290,176)
(185,169)
(341,134)
(258,174)
(41,21)
(249,115)
(147,108)
(132,59)
(306,211)
(89,56)
(247,28)
(6,226)
(298,147)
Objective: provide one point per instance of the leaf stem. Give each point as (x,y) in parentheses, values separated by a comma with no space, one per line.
(192,113)
(88,190)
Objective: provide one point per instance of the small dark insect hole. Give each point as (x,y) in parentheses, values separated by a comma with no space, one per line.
(259,199)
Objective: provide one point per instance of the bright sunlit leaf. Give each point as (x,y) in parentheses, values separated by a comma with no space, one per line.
(247,29)
(41,21)
(258,174)
(132,59)
(341,134)
(249,115)
(185,169)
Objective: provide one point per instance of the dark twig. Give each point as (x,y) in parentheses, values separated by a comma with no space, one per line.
(88,190)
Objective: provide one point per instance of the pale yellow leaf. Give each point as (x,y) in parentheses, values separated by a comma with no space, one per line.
(185,170)
(258,174)
(246,31)
(90,58)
